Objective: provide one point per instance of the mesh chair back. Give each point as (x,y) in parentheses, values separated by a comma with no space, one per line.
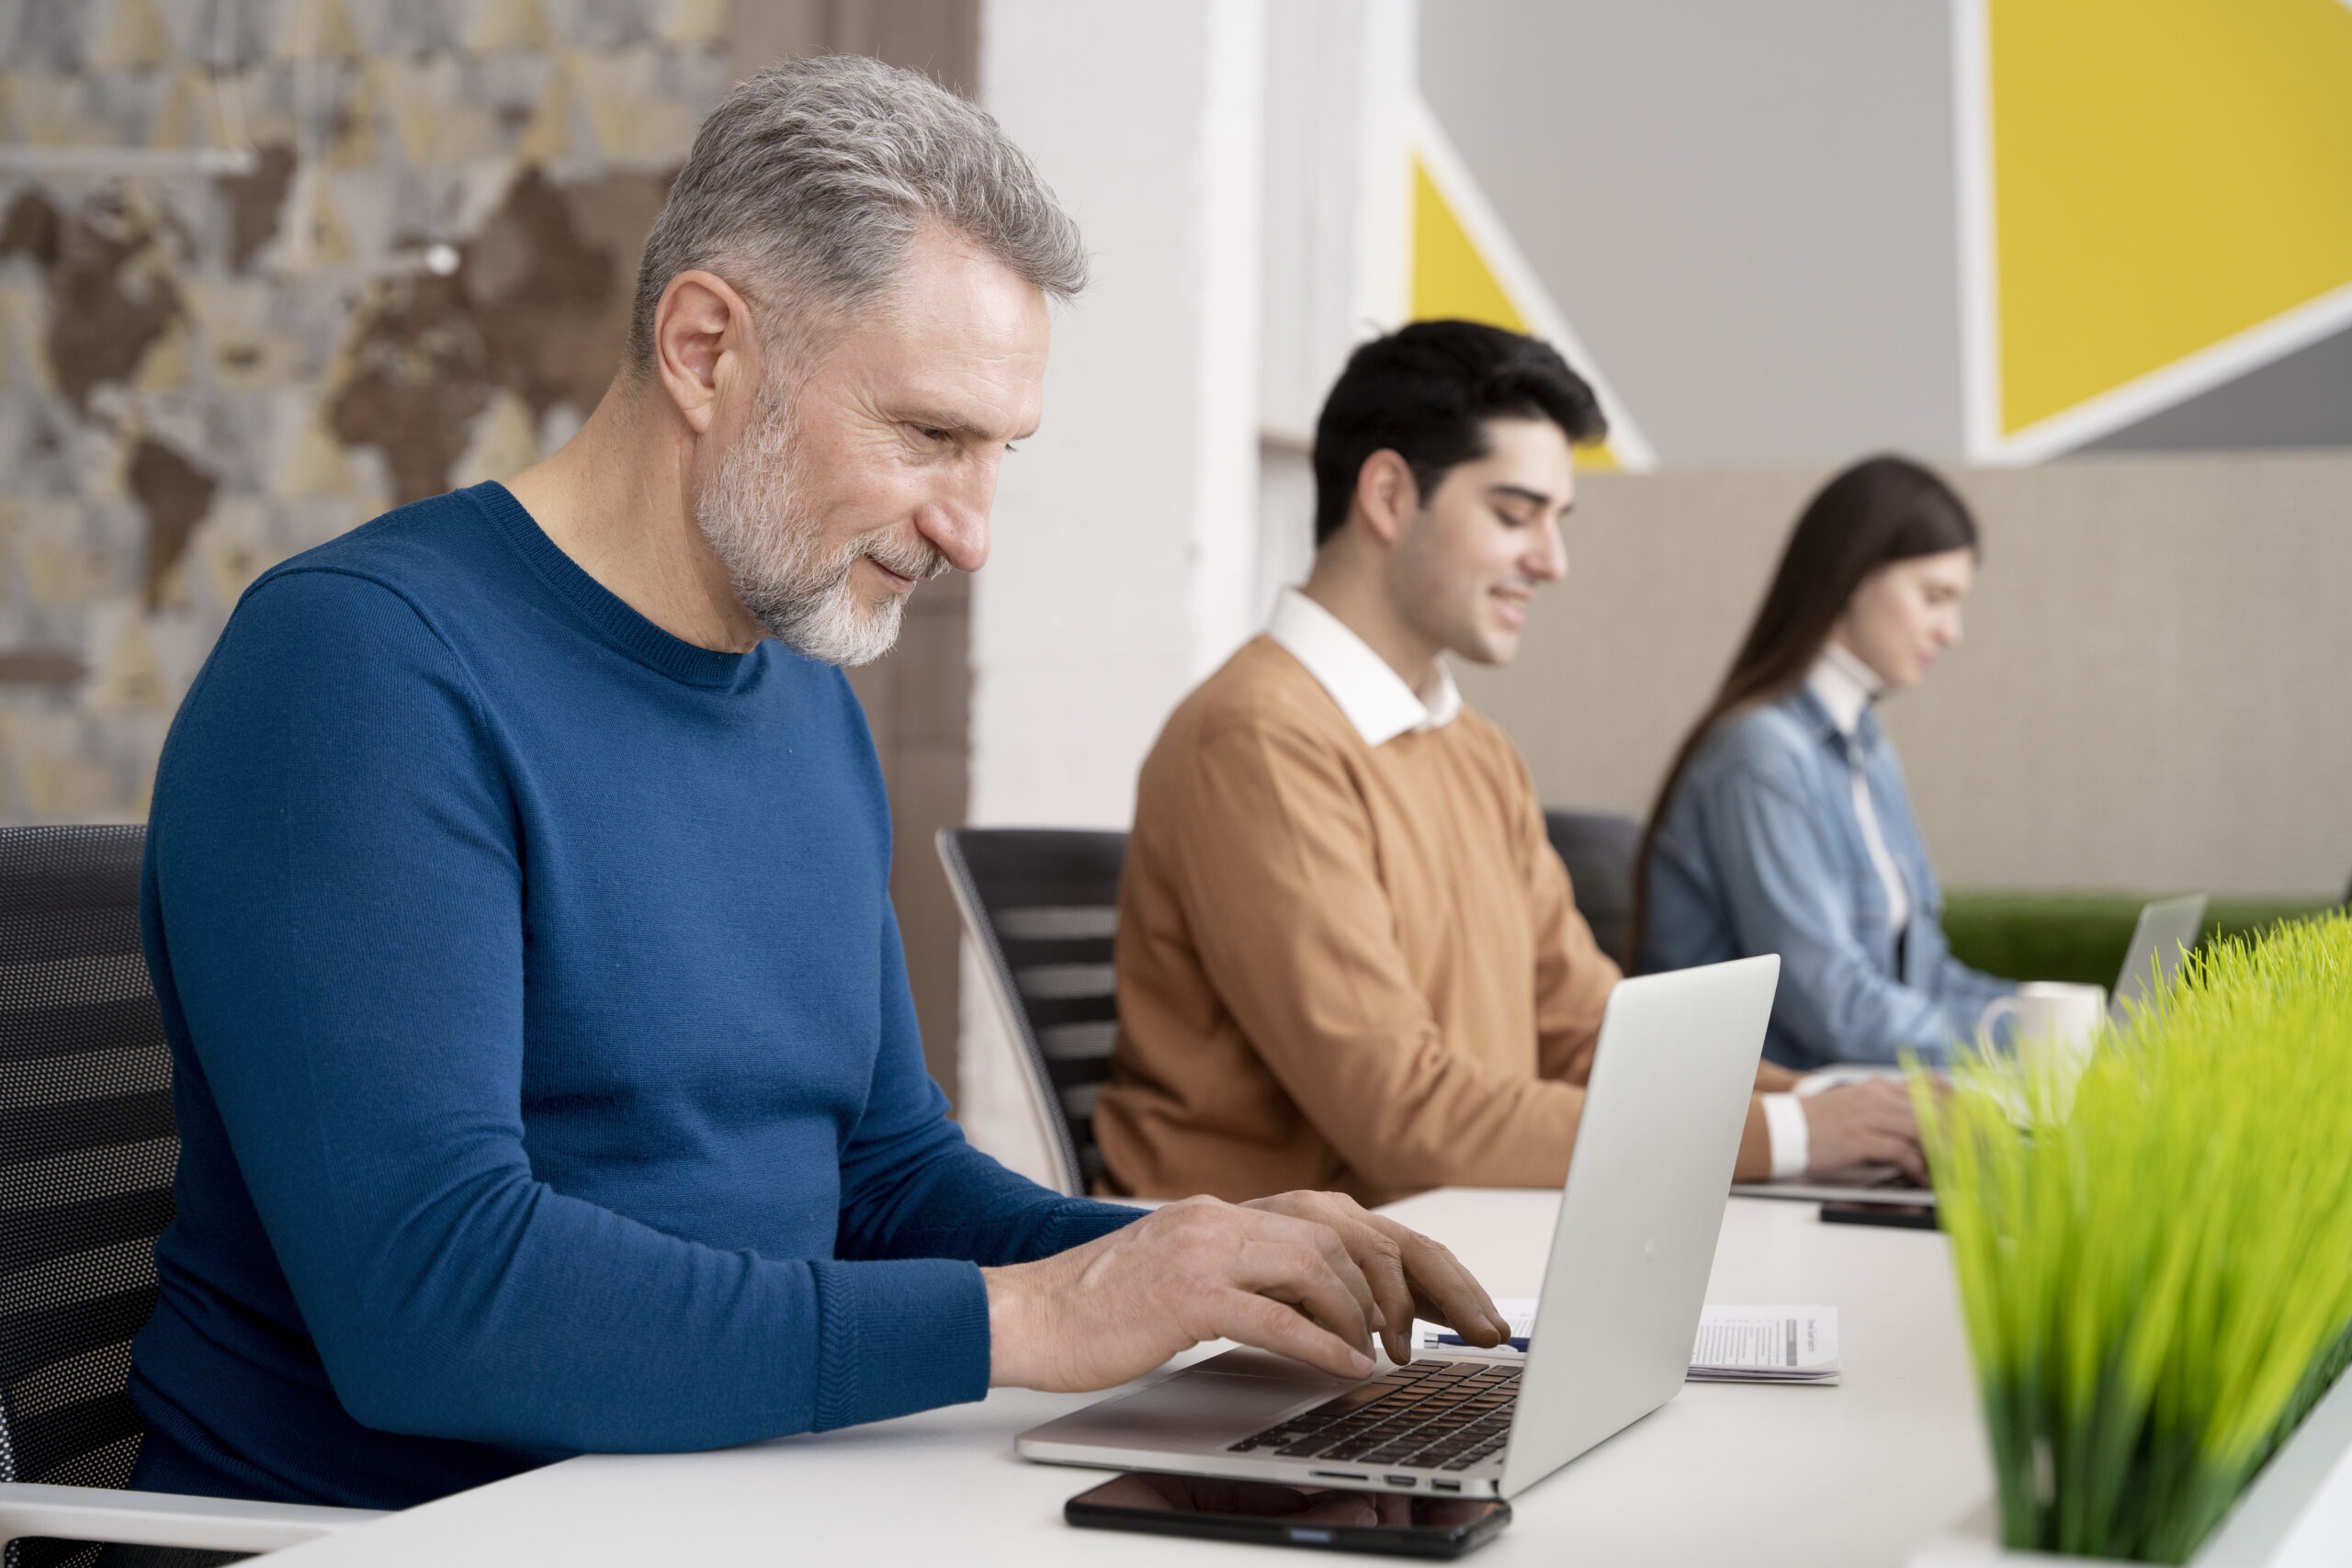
(86,1155)
(1599,850)
(1043,905)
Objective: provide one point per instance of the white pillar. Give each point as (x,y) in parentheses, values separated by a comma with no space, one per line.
(1339,85)
(1125,536)
(1125,532)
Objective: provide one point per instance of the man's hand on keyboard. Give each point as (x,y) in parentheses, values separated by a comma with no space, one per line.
(1409,1274)
(1307,1275)
(1871,1121)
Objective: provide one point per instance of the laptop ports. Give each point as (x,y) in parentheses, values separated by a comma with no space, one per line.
(1437,1486)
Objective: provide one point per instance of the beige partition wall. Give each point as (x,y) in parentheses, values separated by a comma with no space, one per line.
(2151,695)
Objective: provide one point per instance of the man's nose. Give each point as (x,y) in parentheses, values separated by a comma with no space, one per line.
(956,522)
(1548,560)
(961,533)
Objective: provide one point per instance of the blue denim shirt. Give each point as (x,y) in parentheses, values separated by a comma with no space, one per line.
(1760,851)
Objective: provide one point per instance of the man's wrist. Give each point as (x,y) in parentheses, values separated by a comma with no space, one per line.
(1008,1324)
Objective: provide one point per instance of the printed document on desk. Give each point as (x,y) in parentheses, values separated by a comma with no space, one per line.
(1856,1184)
(1735,1344)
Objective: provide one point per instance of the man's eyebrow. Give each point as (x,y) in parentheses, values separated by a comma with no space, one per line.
(962,425)
(1521,493)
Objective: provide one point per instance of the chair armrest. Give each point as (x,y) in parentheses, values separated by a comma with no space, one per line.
(159,1518)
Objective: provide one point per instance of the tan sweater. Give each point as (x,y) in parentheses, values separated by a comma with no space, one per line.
(1341,965)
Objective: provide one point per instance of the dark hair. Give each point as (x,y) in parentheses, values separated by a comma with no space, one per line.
(1881,509)
(1426,393)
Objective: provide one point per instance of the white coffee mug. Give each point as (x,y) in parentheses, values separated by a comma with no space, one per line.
(2057,1022)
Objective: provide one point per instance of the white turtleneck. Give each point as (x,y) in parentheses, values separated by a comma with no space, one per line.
(1845,685)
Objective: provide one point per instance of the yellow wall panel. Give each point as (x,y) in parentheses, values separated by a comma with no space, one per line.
(1450,279)
(2167,174)
(1453,282)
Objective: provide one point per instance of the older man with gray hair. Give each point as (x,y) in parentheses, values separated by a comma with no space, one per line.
(516,901)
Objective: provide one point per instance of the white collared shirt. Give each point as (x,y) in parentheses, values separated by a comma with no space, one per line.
(1372,695)
(1381,706)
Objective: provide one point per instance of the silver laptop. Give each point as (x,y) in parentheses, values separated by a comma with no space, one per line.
(2166,934)
(2167,931)
(1619,1312)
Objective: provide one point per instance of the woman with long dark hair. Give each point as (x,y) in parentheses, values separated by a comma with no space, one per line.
(1784,825)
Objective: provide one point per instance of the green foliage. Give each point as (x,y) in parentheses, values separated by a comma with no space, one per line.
(2155,1258)
(2079,936)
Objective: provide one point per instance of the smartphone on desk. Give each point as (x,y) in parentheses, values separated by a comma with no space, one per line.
(1900,1216)
(1266,1513)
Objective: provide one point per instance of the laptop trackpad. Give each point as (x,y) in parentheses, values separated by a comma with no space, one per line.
(1223,1398)
(1243,1361)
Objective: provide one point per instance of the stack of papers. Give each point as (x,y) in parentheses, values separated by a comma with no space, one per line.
(1766,1344)
(1737,1344)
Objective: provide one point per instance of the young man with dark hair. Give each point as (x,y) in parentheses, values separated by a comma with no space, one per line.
(1346,955)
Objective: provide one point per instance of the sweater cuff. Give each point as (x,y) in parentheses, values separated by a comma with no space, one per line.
(1081,1220)
(897,1337)
(1790,1134)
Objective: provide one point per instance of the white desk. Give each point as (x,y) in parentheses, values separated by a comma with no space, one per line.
(1751,1475)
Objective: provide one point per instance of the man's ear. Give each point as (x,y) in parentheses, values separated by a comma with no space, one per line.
(704,346)
(1386,495)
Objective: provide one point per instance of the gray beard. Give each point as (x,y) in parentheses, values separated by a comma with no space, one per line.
(774,555)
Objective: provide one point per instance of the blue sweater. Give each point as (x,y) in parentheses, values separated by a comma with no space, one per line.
(546,1071)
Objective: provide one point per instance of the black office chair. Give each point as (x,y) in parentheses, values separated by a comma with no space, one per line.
(87,1150)
(1599,850)
(1042,905)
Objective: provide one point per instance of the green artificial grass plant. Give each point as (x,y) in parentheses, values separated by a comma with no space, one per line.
(2154,1257)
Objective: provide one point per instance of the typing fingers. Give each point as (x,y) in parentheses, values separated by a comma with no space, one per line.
(1384,1266)
(1451,1292)
(1890,1104)
(1261,1321)
(1908,1155)
(1408,1273)
(1354,1247)
(1897,1148)
(1352,1269)
(1301,1275)
(1894,1131)
(1373,1245)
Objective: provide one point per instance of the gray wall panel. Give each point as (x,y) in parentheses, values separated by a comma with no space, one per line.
(2304,399)
(2150,697)
(1747,211)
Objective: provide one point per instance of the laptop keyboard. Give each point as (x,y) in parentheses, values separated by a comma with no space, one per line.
(1435,1415)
